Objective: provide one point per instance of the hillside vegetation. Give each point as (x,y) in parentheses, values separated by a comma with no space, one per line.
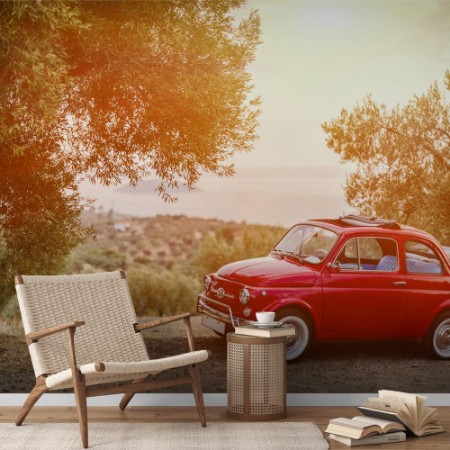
(165,257)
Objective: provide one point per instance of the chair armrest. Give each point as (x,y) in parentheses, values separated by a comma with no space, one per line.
(185,317)
(36,335)
(163,321)
(69,328)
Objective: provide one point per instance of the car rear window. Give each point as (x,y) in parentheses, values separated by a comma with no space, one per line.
(421,258)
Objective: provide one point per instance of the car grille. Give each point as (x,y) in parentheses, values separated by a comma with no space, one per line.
(225,291)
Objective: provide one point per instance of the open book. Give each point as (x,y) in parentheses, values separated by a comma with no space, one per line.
(361,426)
(398,436)
(409,409)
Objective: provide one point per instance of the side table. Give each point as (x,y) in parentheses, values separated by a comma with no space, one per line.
(256,377)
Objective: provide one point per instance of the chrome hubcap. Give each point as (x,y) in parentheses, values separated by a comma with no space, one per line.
(295,345)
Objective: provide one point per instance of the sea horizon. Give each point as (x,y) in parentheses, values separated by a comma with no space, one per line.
(279,196)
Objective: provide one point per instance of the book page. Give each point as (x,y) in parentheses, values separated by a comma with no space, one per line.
(411,405)
(383,424)
(389,405)
(342,421)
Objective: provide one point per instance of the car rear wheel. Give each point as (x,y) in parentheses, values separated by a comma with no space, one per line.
(437,340)
(296,345)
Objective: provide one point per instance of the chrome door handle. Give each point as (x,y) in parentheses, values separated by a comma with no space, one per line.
(399,283)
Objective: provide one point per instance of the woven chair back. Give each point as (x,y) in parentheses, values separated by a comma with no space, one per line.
(101,300)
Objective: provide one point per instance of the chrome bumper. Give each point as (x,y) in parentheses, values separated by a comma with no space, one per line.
(204,307)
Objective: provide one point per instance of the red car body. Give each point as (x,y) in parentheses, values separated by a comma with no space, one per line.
(374,280)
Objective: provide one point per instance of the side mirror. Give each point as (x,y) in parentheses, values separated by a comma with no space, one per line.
(336,266)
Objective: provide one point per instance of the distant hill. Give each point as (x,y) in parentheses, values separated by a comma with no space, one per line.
(163,239)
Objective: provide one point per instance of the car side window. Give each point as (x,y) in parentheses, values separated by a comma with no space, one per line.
(351,249)
(369,253)
(421,258)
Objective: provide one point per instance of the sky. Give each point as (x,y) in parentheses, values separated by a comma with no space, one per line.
(320,56)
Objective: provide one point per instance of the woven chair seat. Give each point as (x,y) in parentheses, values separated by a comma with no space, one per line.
(120,371)
(82,331)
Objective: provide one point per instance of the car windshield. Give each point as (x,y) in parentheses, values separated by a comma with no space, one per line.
(307,243)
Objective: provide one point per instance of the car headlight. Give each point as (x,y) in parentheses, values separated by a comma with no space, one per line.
(244,296)
(207,281)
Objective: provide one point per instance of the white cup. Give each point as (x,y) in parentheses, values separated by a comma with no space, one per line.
(265,317)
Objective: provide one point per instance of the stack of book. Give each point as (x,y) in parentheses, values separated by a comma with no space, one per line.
(362,430)
(387,418)
(276,329)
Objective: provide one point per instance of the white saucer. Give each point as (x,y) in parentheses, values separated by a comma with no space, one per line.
(268,325)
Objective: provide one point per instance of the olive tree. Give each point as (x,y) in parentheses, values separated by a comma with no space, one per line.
(402,157)
(113,91)
(39,202)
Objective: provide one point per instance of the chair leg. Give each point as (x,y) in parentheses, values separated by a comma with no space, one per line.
(198,393)
(128,396)
(79,388)
(39,389)
(125,400)
(80,398)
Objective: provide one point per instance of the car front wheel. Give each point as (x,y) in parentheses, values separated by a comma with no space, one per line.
(438,337)
(298,344)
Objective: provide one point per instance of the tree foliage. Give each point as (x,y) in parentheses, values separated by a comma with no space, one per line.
(166,92)
(402,157)
(39,202)
(220,248)
(110,91)
(213,252)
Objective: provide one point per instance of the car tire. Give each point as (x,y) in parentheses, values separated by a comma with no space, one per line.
(299,344)
(437,341)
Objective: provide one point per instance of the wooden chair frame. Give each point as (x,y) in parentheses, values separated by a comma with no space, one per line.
(138,385)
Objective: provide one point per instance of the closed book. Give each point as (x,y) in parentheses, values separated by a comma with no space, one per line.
(398,436)
(254,330)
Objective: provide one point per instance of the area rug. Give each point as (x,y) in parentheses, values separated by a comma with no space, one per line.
(165,436)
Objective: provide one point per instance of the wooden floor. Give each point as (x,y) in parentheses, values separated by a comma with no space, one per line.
(318,415)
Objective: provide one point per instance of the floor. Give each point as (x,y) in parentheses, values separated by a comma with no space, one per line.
(319,415)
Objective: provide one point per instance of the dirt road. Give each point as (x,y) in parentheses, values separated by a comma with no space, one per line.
(331,367)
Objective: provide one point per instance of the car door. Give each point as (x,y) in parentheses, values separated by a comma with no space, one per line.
(364,289)
(428,283)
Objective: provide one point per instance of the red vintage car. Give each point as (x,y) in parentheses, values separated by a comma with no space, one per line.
(340,279)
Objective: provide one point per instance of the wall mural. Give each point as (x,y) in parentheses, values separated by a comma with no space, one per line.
(171,139)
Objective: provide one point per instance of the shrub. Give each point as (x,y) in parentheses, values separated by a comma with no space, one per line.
(10,312)
(158,291)
(220,248)
(99,255)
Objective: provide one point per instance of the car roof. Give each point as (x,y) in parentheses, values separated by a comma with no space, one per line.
(376,225)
